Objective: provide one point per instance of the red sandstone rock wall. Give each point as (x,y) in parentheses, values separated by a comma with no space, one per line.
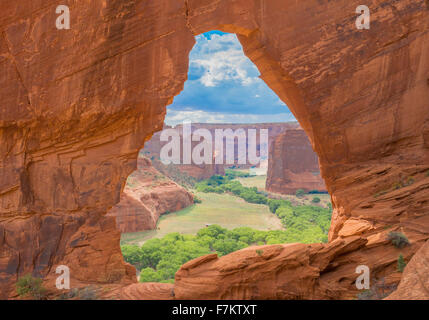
(414,284)
(77,106)
(153,146)
(293,164)
(147,195)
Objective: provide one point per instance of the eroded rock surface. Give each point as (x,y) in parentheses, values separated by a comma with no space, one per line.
(414,284)
(154,146)
(78,104)
(147,195)
(293,164)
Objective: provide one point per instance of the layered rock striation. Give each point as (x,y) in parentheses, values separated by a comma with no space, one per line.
(293,164)
(147,195)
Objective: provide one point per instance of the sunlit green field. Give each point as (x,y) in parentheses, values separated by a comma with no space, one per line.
(259,182)
(256,181)
(223,209)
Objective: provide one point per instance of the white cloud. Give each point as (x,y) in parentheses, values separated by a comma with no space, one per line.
(221,59)
(175,117)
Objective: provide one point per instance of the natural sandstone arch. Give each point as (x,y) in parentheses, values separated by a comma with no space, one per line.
(77,106)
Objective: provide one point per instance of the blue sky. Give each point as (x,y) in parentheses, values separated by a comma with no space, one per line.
(224,86)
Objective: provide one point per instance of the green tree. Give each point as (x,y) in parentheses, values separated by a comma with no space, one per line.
(398,239)
(300,193)
(401,263)
(132,254)
(225,246)
(316,200)
(28,286)
(212,231)
(149,275)
(274,204)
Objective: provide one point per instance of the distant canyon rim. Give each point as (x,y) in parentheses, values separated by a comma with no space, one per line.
(79,104)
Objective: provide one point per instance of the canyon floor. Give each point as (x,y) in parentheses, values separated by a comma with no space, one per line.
(223,209)
(226,210)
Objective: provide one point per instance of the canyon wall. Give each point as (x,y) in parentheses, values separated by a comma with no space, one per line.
(293,164)
(78,105)
(203,171)
(153,147)
(414,283)
(147,195)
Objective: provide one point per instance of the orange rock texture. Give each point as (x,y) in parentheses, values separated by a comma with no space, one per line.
(153,147)
(78,104)
(197,171)
(293,164)
(414,284)
(147,195)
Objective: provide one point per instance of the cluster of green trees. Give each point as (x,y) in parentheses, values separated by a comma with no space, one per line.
(306,224)
(159,259)
(236,174)
(221,184)
(303,223)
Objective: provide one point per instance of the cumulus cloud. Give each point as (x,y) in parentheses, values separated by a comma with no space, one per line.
(174,117)
(220,59)
(222,80)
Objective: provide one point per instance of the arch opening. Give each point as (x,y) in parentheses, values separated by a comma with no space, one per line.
(193,193)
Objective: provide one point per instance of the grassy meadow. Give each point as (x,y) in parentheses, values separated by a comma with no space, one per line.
(225,210)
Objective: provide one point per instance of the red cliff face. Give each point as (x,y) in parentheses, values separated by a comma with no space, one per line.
(293,164)
(198,171)
(154,145)
(414,284)
(78,105)
(147,195)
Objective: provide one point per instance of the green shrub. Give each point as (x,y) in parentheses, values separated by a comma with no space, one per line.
(232,174)
(401,263)
(378,291)
(274,204)
(87,293)
(365,295)
(398,239)
(259,252)
(316,200)
(72,294)
(149,275)
(300,193)
(197,200)
(28,286)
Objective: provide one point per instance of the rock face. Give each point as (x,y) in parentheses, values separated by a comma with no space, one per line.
(293,164)
(154,145)
(78,105)
(198,171)
(415,280)
(147,195)
(290,271)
